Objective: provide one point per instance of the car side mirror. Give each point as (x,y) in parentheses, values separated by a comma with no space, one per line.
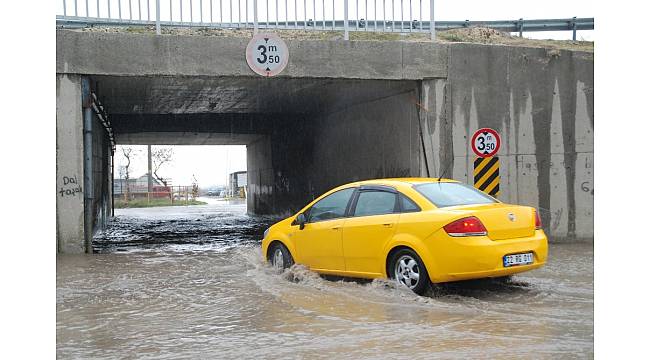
(301,220)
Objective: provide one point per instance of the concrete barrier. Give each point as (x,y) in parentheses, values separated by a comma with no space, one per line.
(120,54)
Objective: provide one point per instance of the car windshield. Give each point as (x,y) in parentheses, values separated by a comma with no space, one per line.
(443,194)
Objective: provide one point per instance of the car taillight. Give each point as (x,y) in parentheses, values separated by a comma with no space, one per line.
(469,226)
(538,221)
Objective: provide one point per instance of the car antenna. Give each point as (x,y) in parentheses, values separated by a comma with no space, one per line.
(443,173)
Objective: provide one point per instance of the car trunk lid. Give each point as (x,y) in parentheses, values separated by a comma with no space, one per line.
(503,221)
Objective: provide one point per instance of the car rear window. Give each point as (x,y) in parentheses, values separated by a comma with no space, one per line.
(443,194)
(408,205)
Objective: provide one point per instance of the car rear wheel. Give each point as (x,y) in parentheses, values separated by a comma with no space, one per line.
(409,270)
(280,257)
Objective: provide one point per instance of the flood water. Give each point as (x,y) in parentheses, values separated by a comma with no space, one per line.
(190,282)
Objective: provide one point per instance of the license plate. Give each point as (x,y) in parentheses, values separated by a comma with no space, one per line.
(518,259)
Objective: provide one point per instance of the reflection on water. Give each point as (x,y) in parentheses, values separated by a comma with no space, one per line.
(190,282)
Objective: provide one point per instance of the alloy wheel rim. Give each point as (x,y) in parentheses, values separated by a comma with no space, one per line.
(407,271)
(278,259)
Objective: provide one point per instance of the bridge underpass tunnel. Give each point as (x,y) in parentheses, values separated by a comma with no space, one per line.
(303,136)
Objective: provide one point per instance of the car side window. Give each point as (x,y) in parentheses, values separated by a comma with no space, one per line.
(330,207)
(375,203)
(407,205)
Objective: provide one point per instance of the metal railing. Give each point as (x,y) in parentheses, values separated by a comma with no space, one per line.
(402,16)
(162,194)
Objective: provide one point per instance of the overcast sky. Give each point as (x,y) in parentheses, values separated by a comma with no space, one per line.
(209,163)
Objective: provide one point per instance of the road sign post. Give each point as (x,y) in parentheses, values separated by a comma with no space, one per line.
(485,144)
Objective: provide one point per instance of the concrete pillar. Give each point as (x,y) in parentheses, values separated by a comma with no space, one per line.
(89,163)
(69,165)
(259,167)
(436,154)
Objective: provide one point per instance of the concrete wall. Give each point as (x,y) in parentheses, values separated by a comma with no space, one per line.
(74,193)
(100,205)
(307,156)
(279,167)
(259,168)
(331,132)
(541,102)
(120,54)
(69,165)
(377,139)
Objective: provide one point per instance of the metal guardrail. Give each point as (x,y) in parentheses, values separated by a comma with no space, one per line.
(402,16)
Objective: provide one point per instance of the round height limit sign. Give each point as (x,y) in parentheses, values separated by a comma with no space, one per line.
(267,54)
(486,142)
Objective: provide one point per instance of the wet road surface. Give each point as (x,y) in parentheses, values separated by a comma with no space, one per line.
(190,282)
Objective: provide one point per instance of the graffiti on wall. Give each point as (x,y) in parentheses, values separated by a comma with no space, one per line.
(70,187)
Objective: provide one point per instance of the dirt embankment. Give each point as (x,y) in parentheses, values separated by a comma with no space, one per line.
(466,35)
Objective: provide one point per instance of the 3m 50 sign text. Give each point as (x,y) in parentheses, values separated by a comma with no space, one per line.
(267,54)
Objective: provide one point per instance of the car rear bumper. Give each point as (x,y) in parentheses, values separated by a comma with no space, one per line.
(480,257)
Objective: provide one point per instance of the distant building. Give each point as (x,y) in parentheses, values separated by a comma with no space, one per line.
(237,183)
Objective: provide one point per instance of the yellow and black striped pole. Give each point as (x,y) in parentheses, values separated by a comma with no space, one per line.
(486,175)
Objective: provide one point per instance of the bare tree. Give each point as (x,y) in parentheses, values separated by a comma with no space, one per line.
(122,173)
(160,156)
(129,154)
(195,188)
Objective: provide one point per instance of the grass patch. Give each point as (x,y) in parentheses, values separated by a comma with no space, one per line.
(143,203)
(475,35)
(480,35)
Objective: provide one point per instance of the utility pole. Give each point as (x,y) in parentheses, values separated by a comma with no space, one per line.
(149,176)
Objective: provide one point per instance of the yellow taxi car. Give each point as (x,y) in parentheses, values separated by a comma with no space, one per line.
(414,230)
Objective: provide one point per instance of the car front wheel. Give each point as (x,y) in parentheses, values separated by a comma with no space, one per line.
(409,270)
(280,257)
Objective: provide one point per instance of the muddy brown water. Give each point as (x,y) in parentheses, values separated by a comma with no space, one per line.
(190,282)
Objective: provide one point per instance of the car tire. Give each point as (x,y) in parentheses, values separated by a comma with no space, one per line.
(280,257)
(408,269)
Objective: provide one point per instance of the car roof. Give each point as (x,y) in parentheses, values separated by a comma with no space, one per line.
(400,181)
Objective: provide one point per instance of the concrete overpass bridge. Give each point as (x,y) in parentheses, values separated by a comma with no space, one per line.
(340,111)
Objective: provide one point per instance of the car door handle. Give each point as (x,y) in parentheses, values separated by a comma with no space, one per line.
(336,228)
(388,225)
